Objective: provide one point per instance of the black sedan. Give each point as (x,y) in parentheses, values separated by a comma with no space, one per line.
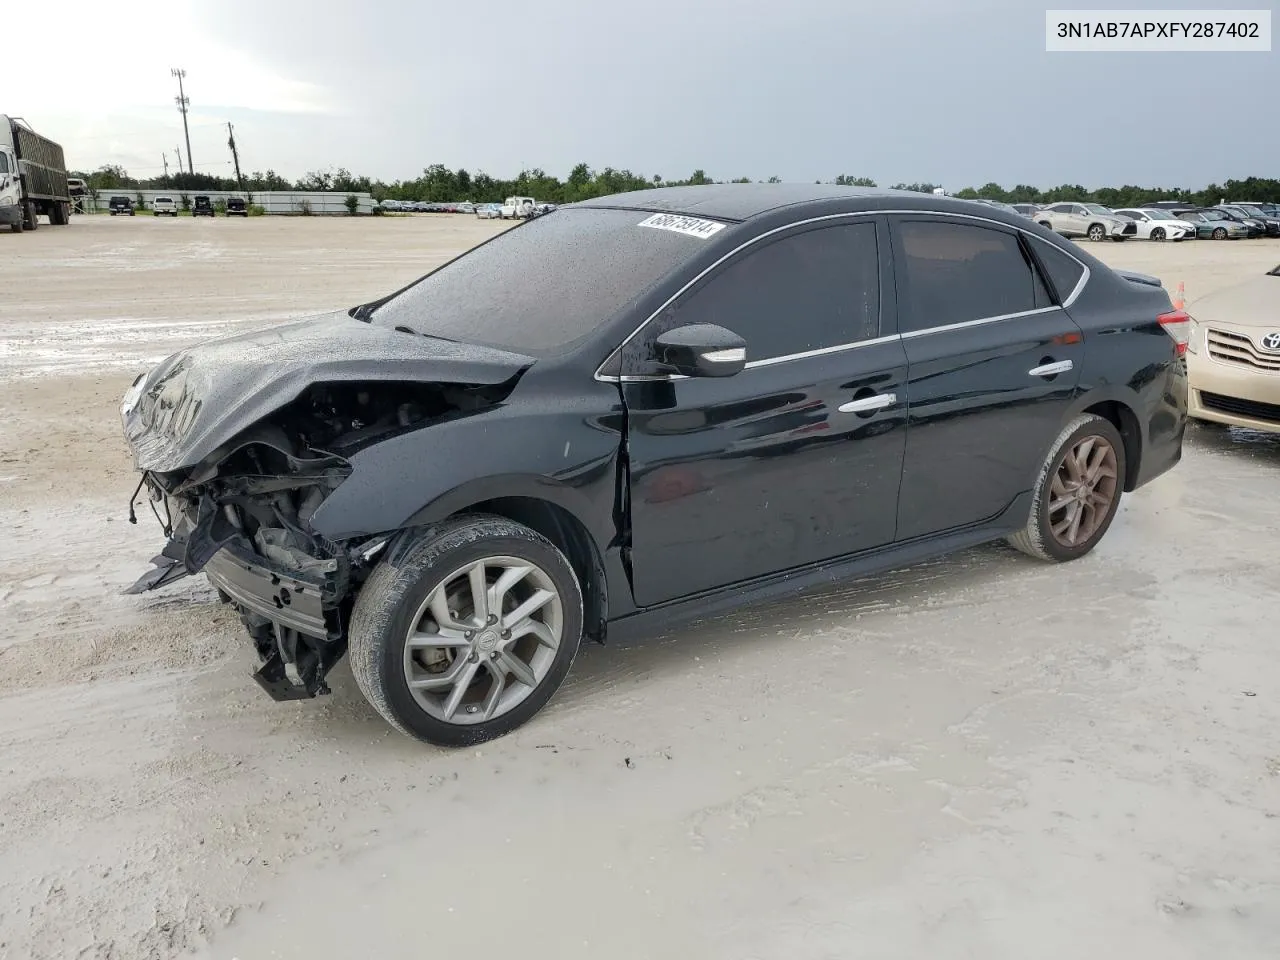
(646,408)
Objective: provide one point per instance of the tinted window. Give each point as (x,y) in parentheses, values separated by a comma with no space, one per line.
(806,291)
(544,285)
(1064,271)
(953,273)
(4,163)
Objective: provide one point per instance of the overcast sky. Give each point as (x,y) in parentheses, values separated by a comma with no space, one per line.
(957,92)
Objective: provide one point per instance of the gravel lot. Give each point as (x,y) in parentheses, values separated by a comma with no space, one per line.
(980,757)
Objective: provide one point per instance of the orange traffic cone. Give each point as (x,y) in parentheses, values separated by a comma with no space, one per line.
(1180,298)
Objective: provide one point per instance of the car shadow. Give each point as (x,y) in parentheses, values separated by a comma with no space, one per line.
(779,621)
(1256,445)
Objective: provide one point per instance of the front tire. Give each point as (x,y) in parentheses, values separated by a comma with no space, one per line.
(466,629)
(1220,233)
(1097,232)
(30,218)
(1158,234)
(1077,492)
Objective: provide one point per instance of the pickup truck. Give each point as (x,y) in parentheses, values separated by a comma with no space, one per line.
(517,208)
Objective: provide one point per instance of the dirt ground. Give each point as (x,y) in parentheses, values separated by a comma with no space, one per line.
(978,757)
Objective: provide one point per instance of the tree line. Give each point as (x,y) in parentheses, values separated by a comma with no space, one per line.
(440,184)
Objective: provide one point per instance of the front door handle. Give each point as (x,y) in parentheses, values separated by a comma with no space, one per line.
(1051,369)
(869,404)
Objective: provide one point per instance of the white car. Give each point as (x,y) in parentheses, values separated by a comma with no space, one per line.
(1157,224)
(164,207)
(489,211)
(517,207)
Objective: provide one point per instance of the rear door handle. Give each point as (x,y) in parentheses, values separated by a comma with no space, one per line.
(1051,369)
(868,404)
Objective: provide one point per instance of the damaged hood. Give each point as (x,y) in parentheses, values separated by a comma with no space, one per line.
(200,398)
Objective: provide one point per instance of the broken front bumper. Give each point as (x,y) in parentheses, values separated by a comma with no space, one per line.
(287,599)
(294,616)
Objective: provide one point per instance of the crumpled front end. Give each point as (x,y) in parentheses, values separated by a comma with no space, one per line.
(242,514)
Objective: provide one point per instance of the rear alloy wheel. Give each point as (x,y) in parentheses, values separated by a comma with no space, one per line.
(1097,232)
(1158,233)
(1077,493)
(1220,233)
(466,629)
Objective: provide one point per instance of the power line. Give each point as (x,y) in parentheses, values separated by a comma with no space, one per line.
(183,102)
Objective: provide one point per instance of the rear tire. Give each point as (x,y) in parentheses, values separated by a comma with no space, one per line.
(1058,499)
(395,603)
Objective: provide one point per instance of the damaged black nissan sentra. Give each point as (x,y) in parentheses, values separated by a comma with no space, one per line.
(645,408)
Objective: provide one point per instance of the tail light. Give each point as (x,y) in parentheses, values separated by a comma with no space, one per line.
(1177,324)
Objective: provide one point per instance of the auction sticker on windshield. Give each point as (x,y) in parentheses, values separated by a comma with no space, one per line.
(691,226)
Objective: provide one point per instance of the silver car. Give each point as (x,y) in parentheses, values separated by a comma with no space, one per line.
(1091,220)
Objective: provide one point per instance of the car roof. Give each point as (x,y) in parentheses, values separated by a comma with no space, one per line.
(742,201)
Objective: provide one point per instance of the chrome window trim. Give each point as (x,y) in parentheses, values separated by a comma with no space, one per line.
(977,323)
(839,348)
(769,361)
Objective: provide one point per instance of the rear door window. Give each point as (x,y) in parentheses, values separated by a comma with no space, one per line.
(951,273)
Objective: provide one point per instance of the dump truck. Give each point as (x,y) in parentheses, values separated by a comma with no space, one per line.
(33,178)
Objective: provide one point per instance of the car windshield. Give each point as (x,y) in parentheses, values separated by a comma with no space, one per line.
(543,286)
(1095,208)
(1159,215)
(1214,215)
(1251,210)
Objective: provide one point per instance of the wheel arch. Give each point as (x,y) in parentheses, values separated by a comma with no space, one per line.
(547,507)
(1116,410)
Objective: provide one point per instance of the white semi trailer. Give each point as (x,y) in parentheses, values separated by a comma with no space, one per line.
(33,178)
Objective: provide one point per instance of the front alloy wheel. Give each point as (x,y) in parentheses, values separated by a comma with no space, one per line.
(1097,233)
(465,629)
(483,640)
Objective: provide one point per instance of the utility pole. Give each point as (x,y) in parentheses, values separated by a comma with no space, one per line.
(231,142)
(165,158)
(183,102)
(178,151)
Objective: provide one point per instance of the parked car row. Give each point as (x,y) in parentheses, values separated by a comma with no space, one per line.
(421,206)
(201,206)
(1164,220)
(513,208)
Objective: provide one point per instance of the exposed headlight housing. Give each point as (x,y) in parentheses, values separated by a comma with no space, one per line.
(130,399)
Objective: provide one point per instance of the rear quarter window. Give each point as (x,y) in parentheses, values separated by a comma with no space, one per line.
(1064,271)
(957,273)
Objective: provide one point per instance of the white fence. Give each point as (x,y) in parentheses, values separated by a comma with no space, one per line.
(272,201)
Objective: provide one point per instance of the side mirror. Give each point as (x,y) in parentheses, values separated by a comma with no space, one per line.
(702,350)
